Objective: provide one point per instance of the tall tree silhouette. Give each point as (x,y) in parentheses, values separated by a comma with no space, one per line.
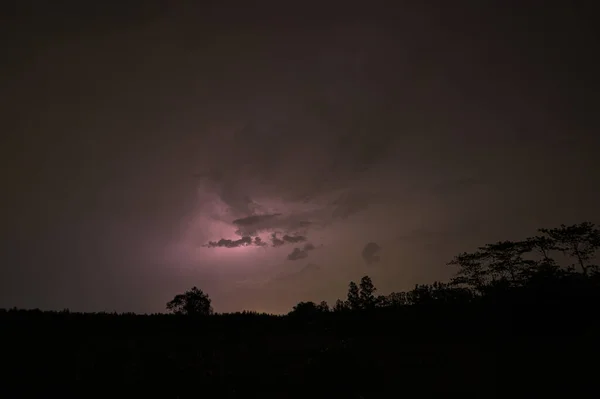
(580,241)
(353,296)
(367,293)
(193,302)
(340,306)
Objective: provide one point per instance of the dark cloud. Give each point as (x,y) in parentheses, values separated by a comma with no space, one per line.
(276,241)
(310,269)
(309,246)
(301,253)
(297,253)
(224,243)
(371,253)
(293,239)
(259,242)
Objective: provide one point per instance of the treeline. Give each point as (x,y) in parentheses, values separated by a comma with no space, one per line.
(516,314)
(556,265)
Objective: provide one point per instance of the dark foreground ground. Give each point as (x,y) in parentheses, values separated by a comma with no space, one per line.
(471,351)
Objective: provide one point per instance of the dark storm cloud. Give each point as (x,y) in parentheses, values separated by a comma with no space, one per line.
(289,239)
(297,254)
(309,246)
(259,242)
(370,253)
(251,225)
(300,253)
(276,241)
(293,239)
(244,242)
(225,243)
(310,269)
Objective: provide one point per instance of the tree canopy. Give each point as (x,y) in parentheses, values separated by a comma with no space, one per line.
(193,302)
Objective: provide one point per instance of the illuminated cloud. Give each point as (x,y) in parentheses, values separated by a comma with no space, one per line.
(259,242)
(276,241)
(225,243)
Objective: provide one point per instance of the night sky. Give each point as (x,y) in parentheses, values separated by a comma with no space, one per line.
(270,154)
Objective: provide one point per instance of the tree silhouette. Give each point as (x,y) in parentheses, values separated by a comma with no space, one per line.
(580,241)
(382,301)
(397,299)
(353,296)
(340,306)
(305,308)
(471,270)
(309,310)
(366,294)
(543,246)
(505,260)
(323,306)
(192,303)
(421,294)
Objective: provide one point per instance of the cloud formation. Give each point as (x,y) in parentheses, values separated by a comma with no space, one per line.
(254,224)
(293,239)
(225,243)
(309,246)
(277,242)
(300,253)
(259,242)
(297,254)
(251,225)
(370,253)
